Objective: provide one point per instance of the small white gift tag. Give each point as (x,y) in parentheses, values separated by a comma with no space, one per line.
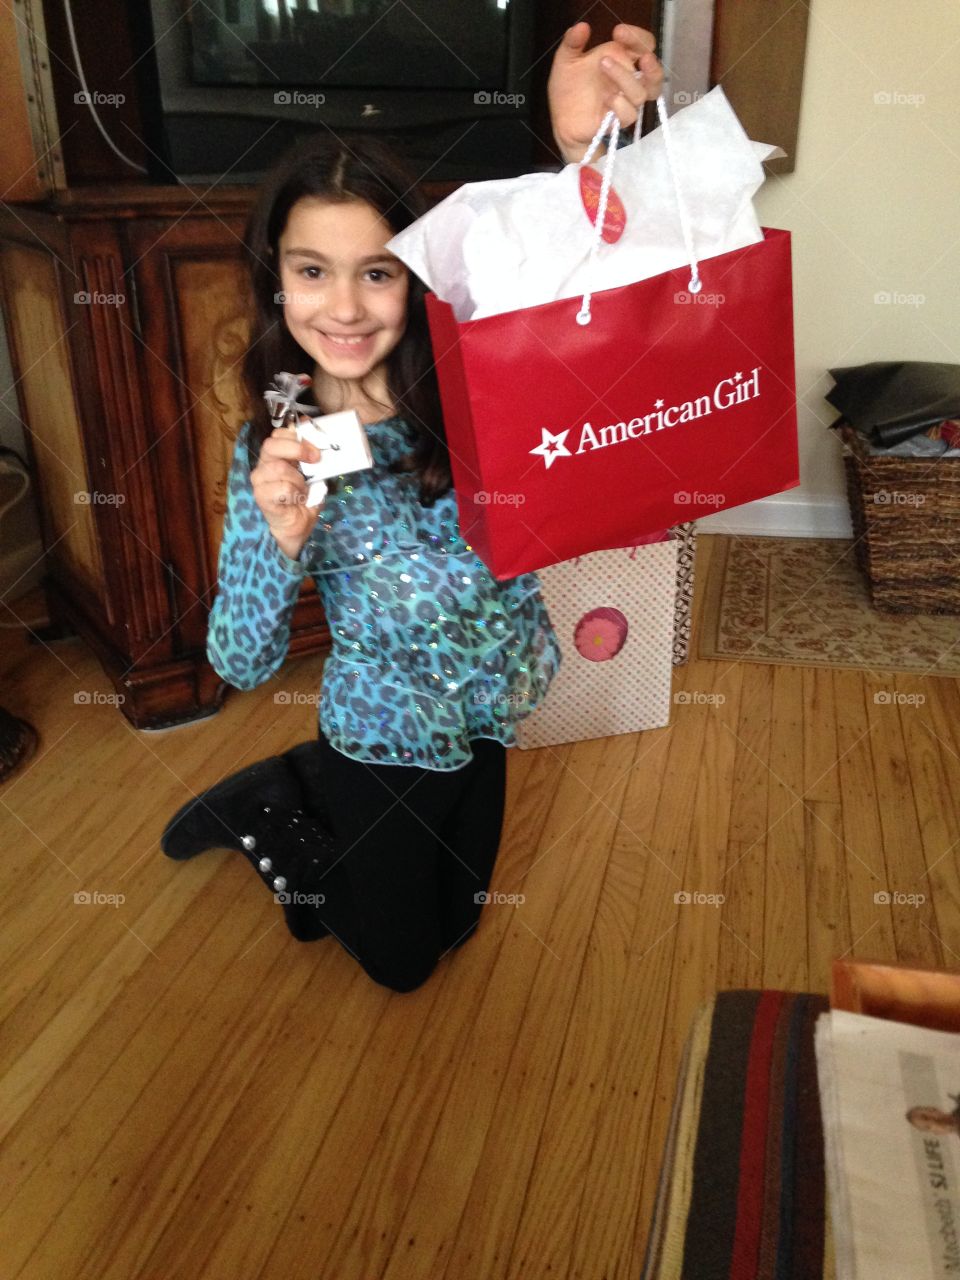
(344,446)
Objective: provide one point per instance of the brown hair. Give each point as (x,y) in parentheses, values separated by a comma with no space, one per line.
(329,168)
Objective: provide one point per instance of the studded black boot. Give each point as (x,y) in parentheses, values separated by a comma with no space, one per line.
(290,850)
(291,780)
(259,812)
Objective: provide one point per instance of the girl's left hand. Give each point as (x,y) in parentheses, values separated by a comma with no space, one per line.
(581,90)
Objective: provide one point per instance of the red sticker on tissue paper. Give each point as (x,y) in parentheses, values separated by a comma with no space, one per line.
(615,218)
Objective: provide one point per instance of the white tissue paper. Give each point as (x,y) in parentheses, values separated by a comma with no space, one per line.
(497,246)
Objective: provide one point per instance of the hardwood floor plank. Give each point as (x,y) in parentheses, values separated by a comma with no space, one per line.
(785,959)
(828,914)
(871,921)
(931,780)
(647,994)
(913,927)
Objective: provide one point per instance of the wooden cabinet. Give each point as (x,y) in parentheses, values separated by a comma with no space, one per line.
(125,316)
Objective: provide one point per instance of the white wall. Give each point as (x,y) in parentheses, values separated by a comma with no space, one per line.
(873,207)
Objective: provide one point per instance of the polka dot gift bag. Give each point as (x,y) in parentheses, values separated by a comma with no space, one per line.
(614,615)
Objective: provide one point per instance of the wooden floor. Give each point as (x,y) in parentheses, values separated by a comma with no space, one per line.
(188,1092)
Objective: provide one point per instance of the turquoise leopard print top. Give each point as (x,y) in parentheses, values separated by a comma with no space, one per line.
(428,649)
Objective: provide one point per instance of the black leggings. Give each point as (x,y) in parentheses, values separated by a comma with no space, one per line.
(418,845)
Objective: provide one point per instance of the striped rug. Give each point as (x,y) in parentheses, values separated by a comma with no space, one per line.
(741,1192)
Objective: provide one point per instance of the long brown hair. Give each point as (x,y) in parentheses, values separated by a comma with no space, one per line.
(326,167)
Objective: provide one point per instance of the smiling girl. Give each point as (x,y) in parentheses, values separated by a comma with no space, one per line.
(383,831)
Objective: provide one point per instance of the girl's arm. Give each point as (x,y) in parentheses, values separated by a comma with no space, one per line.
(581,89)
(248,632)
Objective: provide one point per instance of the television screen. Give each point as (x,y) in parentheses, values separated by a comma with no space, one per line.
(228,84)
(430,44)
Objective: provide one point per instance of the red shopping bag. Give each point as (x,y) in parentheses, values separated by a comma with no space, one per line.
(568,438)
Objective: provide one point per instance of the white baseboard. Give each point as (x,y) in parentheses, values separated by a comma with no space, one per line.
(783,517)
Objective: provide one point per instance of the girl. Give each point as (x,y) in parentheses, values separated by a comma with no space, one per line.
(385,830)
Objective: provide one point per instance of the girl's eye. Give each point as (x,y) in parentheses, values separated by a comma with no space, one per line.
(378,275)
(306,269)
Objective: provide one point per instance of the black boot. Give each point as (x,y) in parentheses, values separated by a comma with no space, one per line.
(259,813)
(292,779)
(290,851)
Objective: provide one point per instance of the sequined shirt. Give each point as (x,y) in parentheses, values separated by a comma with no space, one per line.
(428,648)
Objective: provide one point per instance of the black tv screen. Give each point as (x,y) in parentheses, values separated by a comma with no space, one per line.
(432,44)
(228,84)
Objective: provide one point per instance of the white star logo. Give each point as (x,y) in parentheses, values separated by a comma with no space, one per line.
(737,377)
(552,446)
(658,404)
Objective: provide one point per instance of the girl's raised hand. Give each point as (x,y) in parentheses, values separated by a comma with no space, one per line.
(581,89)
(280,489)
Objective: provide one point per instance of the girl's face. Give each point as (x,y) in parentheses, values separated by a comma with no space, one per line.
(345,295)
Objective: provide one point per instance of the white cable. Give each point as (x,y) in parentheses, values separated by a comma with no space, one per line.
(89,97)
(24,477)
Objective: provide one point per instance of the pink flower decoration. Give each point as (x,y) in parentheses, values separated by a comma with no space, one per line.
(600,634)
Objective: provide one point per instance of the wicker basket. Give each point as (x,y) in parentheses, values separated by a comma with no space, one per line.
(906,522)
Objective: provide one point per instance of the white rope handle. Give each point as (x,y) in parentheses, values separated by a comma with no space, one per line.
(611,122)
(696,284)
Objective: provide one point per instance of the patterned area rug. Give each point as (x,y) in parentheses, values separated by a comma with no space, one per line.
(804,601)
